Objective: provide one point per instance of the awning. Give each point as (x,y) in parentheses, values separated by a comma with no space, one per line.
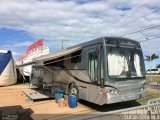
(20,64)
(61,53)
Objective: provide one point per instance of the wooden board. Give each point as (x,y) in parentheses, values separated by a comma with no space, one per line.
(35,95)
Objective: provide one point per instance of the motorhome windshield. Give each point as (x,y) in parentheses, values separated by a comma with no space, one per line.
(125,63)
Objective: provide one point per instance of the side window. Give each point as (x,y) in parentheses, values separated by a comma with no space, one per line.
(93,66)
(76,57)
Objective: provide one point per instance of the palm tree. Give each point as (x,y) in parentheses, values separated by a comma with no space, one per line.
(150,59)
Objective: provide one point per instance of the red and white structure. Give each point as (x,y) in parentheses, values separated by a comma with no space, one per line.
(35,50)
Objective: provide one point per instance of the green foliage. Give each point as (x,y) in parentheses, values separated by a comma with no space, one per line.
(152,57)
(151,94)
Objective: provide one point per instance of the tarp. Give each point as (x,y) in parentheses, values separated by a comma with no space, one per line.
(61,53)
(7,69)
(4,60)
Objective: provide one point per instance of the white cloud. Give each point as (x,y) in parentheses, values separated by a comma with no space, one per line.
(23,43)
(16,53)
(54,20)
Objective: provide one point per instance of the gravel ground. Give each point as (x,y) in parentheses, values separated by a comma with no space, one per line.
(13,101)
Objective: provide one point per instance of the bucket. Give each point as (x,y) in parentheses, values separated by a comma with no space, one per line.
(61,102)
(58,94)
(66,99)
(72,101)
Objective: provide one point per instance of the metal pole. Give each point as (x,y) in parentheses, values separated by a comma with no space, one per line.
(150,61)
(63,43)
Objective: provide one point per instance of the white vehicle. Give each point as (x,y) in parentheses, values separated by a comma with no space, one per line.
(7,68)
(153,71)
(102,71)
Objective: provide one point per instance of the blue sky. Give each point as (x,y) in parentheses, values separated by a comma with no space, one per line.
(24,21)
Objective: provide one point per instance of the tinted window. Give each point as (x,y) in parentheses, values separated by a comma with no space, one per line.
(93,66)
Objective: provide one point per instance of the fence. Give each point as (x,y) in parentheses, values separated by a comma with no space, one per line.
(145,112)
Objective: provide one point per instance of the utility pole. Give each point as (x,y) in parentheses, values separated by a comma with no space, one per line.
(62,41)
(150,54)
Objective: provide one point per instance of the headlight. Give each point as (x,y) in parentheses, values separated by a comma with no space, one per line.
(112,91)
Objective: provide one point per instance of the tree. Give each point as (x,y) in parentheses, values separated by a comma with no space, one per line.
(150,59)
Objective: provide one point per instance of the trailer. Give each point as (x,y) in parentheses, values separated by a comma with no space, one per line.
(102,71)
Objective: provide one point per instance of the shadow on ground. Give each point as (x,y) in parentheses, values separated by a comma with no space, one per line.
(15,112)
(110,107)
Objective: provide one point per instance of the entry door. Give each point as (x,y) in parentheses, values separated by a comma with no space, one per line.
(93,66)
(95,71)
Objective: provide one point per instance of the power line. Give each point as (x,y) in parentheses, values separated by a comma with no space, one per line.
(152,27)
(136,11)
(150,39)
(139,10)
(152,33)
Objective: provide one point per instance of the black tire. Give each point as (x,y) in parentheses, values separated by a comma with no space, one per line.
(73,90)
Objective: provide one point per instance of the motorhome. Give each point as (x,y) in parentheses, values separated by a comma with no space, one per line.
(102,71)
(7,68)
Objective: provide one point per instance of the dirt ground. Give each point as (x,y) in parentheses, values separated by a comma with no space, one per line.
(13,104)
(13,101)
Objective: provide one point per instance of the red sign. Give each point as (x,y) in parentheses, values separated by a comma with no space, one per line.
(35,45)
(32,47)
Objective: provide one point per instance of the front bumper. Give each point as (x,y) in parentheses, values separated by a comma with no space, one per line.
(115,98)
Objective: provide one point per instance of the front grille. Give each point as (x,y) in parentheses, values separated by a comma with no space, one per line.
(135,90)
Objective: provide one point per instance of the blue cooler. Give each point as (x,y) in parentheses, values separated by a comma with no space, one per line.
(58,94)
(72,101)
